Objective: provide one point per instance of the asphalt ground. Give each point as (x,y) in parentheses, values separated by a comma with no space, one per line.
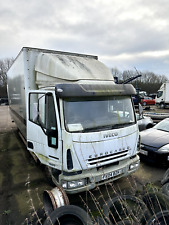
(22,181)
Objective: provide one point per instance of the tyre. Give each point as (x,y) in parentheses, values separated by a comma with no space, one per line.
(165,178)
(124,207)
(161,218)
(165,189)
(156,202)
(144,103)
(68,215)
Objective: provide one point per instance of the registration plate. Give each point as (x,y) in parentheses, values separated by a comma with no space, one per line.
(143,152)
(112,174)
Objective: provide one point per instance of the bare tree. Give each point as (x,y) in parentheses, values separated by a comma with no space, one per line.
(4,66)
(149,81)
(116,72)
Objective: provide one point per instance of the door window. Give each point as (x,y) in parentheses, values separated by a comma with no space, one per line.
(42,112)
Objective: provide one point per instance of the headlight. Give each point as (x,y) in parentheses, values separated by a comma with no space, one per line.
(164,149)
(73,184)
(134,165)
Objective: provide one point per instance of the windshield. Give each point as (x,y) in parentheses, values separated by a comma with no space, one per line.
(163,125)
(107,113)
(159,94)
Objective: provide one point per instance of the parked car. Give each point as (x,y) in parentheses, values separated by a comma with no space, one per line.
(155,143)
(147,101)
(144,122)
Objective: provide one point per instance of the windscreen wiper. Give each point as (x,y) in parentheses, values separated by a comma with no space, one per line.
(107,127)
(98,128)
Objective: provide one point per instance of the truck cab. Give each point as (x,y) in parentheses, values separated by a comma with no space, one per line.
(87,133)
(162,98)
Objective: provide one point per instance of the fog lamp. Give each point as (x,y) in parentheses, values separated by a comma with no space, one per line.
(73,184)
(134,166)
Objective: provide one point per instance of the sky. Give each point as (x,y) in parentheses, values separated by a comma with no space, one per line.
(124,34)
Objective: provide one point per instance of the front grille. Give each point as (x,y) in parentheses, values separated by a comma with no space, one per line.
(107,165)
(108,158)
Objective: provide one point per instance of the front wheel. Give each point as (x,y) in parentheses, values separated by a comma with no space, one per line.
(144,104)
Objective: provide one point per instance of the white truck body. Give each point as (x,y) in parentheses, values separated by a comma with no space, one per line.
(162,97)
(74,118)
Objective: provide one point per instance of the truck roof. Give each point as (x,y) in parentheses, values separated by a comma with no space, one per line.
(58,67)
(45,68)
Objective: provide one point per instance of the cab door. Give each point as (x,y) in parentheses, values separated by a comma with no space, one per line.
(43,128)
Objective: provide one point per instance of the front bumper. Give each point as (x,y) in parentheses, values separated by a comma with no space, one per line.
(97,177)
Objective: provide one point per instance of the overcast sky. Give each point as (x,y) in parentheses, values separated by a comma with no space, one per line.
(124,33)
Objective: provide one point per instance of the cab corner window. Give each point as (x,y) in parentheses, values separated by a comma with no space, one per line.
(37,108)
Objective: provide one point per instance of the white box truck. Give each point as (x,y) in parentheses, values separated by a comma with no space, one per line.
(162,97)
(74,118)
